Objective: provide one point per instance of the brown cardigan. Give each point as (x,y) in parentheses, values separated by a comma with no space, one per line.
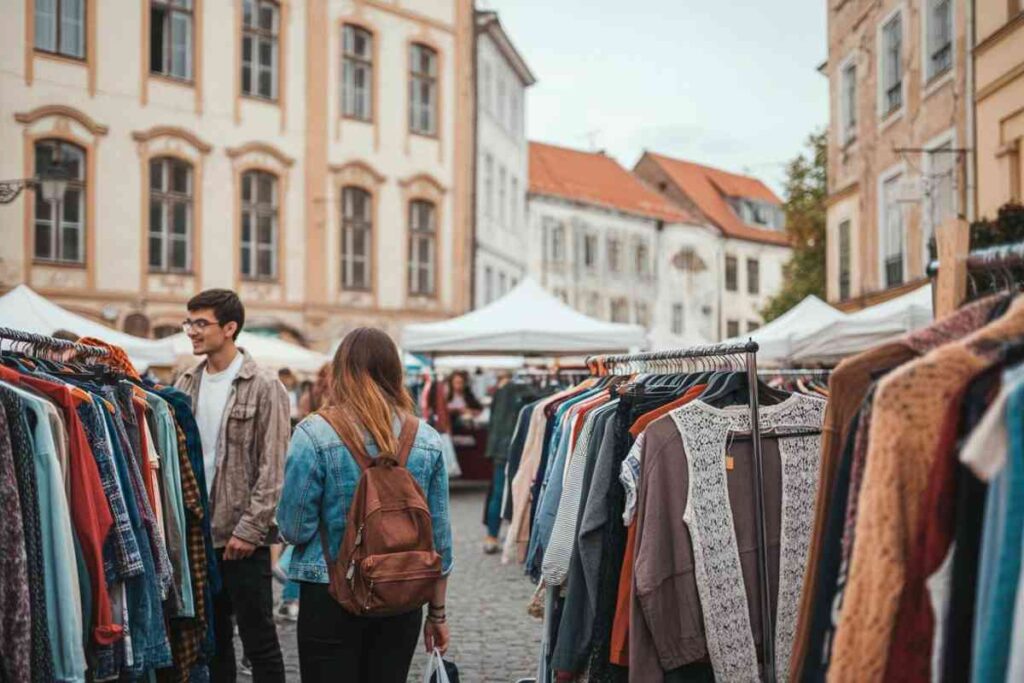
(905,430)
(847,388)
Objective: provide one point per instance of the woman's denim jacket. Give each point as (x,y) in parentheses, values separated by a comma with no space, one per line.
(320,478)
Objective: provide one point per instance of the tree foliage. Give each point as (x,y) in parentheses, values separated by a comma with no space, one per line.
(806,192)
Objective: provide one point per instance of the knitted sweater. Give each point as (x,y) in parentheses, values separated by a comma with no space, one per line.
(907,416)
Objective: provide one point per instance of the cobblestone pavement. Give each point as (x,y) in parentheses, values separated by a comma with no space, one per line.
(493,639)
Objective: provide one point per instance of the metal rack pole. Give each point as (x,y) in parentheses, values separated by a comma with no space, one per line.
(767,621)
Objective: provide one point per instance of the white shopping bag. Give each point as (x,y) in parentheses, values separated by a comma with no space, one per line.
(451,462)
(435,663)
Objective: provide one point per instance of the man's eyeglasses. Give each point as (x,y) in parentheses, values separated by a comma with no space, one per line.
(188,324)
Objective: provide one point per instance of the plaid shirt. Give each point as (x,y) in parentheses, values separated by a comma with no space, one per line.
(127,561)
(187,634)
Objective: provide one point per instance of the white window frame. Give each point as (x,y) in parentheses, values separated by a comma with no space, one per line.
(899,170)
(848,221)
(257,35)
(933,81)
(173,8)
(847,129)
(57,224)
(678,321)
(355,103)
(255,209)
(423,116)
(502,195)
(513,202)
(167,199)
(351,224)
(61,21)
(488,185)
(883,116)
(488,284)
(927,227)
(418,235)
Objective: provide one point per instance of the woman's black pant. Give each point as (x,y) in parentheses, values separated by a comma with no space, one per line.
(335,645)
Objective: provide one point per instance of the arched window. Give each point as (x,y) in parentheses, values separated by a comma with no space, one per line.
(356,238)
(259,225)
(170,215)
(357,73)
(60,221)
(422,89)
(422,247)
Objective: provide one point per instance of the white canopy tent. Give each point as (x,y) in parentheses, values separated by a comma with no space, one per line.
(23,309)
(527,320)
(269,352)
(864,329)
(776,339)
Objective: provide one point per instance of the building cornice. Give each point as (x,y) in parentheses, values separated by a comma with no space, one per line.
(62,110)
(173,132)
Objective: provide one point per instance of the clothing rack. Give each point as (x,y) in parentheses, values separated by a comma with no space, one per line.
(50,343)
(728,355)
(803,373)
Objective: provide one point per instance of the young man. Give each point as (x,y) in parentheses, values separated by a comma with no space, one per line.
(242,412)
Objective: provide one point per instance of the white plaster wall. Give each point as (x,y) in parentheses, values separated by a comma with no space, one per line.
(696,290)
(580,283)
(740,305)
(499,244)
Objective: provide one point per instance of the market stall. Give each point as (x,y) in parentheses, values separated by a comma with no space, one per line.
(856,332)
(526,322)
(776,339)
(269,352)
(23,309)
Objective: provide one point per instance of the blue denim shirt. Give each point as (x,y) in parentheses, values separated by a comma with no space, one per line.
(320,478)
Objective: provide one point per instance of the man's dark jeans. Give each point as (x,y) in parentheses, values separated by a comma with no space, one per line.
(247,597)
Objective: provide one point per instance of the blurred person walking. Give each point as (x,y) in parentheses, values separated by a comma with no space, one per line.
(368,424)
(242,413)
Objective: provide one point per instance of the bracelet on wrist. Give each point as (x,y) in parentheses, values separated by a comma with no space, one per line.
(436,620)
(435,607)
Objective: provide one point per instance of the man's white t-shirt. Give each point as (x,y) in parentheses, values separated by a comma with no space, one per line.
(214,389)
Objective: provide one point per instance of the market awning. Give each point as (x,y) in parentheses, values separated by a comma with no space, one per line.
(23,309)
(526,321)
(776,339)
(856,332)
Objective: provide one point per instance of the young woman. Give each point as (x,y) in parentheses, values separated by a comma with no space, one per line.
(462,402)
(319,481)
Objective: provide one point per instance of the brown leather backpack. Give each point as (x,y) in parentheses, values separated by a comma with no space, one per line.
(387,563)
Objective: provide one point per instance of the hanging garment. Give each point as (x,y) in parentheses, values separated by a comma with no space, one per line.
(848,385)
(24,468)
(15,607)
(687,558)
(60,569)
(906,419)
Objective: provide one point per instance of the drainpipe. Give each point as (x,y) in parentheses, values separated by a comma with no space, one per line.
(971,162)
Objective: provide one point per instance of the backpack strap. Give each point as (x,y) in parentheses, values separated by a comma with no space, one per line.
(410,426)
(335,418)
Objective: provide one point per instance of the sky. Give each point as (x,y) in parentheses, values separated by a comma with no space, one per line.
(728,83)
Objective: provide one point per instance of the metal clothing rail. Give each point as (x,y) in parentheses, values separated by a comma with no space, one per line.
(659,360)
(812,373)
(50,343)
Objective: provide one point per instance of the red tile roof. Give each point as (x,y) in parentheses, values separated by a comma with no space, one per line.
(594,178)
(708,188)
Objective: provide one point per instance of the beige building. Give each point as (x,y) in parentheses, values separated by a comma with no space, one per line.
(999,103)
(315,155)
(897,131)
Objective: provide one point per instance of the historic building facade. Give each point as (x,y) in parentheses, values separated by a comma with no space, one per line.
(309,154)
(502,79)
(999,102)
(749,223)
(897,167)
(615,249)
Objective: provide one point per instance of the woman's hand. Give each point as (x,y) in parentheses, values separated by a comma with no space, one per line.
(435,635)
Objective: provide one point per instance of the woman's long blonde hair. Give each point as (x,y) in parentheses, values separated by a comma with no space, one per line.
(366,385)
